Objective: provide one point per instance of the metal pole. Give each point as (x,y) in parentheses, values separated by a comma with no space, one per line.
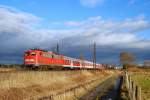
(82,60)
(94,56)
(57,48)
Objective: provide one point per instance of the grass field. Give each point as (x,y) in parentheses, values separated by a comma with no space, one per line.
(24,84)
(7,69)
(143,80)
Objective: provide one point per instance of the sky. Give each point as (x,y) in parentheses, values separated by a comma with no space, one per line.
(114,25)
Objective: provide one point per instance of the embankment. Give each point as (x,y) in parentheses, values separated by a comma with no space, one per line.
(42,84)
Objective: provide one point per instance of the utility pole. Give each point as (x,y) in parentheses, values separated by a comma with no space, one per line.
(57,48)
(94,55)
(82,60)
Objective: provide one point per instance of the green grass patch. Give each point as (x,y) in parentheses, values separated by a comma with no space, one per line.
(144,82)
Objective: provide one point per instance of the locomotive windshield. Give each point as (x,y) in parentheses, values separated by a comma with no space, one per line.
(30,53)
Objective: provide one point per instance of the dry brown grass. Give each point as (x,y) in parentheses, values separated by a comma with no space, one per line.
(7,69)
(25,84)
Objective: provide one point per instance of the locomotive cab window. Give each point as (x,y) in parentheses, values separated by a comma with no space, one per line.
(30,54)
(27,54)
(33,54)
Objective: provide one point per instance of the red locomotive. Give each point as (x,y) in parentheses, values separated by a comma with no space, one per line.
(41,59)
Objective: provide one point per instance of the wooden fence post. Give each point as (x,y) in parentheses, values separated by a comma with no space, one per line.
(138,93)
(64,96)
(127,80)
(129,84)
(133,91)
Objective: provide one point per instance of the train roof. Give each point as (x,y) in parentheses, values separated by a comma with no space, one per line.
(43,51)
(77,59)
(36,50)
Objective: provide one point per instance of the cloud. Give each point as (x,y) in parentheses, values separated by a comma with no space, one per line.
(106,32)
(128,25)
(91,3)
(20,31)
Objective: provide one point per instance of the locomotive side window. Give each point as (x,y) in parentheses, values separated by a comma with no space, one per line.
(76,62)
(67,61)
(52,56)
(47,55)
(40,53)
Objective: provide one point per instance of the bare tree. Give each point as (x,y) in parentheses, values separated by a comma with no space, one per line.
(126,59)
(147,63)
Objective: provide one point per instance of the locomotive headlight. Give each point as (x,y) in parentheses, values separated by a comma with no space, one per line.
(29,60)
